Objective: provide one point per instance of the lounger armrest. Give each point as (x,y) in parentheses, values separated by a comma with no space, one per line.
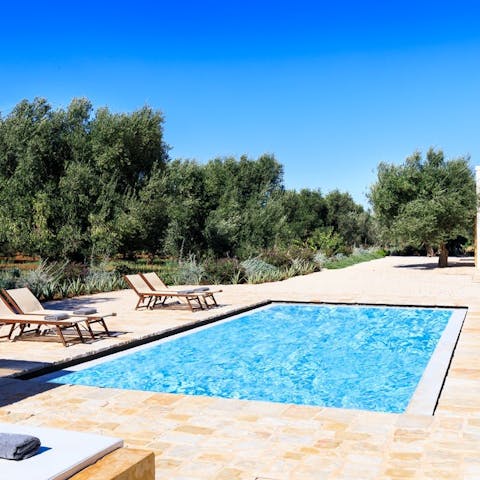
(99,315)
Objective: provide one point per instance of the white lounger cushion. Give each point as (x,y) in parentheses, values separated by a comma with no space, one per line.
(62,453)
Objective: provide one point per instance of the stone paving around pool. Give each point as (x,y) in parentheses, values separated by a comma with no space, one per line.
(211,438)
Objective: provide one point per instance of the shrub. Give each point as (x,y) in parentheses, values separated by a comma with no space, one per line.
(259,271)
(301,266)
(44,280)
(283,257)
(190,272)
(9,278)
(326,240)
(319,258)
(342,261)
(276,257)
(223,270)
(255,265)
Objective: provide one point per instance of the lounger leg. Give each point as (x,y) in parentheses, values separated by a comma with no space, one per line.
(104,325)
(80,333)
(11,331)
(160,301)
(22,328)
(197,299)
(89,328)
(60,334)
(141,302)
(214,302)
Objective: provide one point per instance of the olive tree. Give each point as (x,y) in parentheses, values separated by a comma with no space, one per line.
(425,202)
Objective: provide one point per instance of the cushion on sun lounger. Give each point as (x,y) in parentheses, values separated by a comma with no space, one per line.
(16,446)
(85,311)
(201,289)
(62,453)
(56,316)
(185,292)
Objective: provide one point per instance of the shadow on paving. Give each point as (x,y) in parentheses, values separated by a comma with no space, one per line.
(434,264)
(10,366)
(12,390)
(74,303)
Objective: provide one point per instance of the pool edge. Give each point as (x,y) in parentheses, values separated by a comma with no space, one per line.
(425,398)
(423,401)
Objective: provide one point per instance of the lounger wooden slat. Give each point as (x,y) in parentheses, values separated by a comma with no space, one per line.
(25,302)
(148,298)
(157,284)
(22,322)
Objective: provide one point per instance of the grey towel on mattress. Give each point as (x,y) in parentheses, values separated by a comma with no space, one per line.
(85,311)
(15,446)
(57,316)
(194,290)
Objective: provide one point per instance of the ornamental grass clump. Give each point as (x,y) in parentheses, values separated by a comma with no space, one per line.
(300,266)
(101,281)
(190,272)
(258,271)
(44,281)
(56,280)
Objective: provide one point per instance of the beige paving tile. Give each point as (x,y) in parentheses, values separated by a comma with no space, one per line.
(208,438)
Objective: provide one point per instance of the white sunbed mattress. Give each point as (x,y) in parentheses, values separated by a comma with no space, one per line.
(62,453)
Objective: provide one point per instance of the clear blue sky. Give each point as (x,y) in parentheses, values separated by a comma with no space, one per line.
(330,88)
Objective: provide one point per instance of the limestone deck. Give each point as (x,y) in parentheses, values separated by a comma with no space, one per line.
(211,438)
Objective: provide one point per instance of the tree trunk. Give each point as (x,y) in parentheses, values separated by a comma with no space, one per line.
(443,257)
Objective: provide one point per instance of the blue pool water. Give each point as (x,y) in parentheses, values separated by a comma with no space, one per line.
(369,358)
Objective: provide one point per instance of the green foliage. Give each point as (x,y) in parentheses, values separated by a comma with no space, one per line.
(222,271)
(424,202)
(9,278)
(190,272)
(320,259)
(342,261)
(55,280)
(69,177)
(326,240)
(81,184)
(44,280)
(258,271)
(348,219)
(256,266)
(242,198)
(300,266)
(305,211)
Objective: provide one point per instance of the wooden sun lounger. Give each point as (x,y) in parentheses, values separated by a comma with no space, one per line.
(156,283)
(25,302)
(21,322)
(148,297)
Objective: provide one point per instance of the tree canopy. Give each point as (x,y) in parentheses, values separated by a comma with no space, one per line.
(80,183)
(425,202)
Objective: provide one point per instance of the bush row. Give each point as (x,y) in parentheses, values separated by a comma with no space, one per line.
(58,280)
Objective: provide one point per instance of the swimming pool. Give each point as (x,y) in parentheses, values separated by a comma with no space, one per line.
(362,357)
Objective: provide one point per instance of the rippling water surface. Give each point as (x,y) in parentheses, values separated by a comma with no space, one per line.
(370,358)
